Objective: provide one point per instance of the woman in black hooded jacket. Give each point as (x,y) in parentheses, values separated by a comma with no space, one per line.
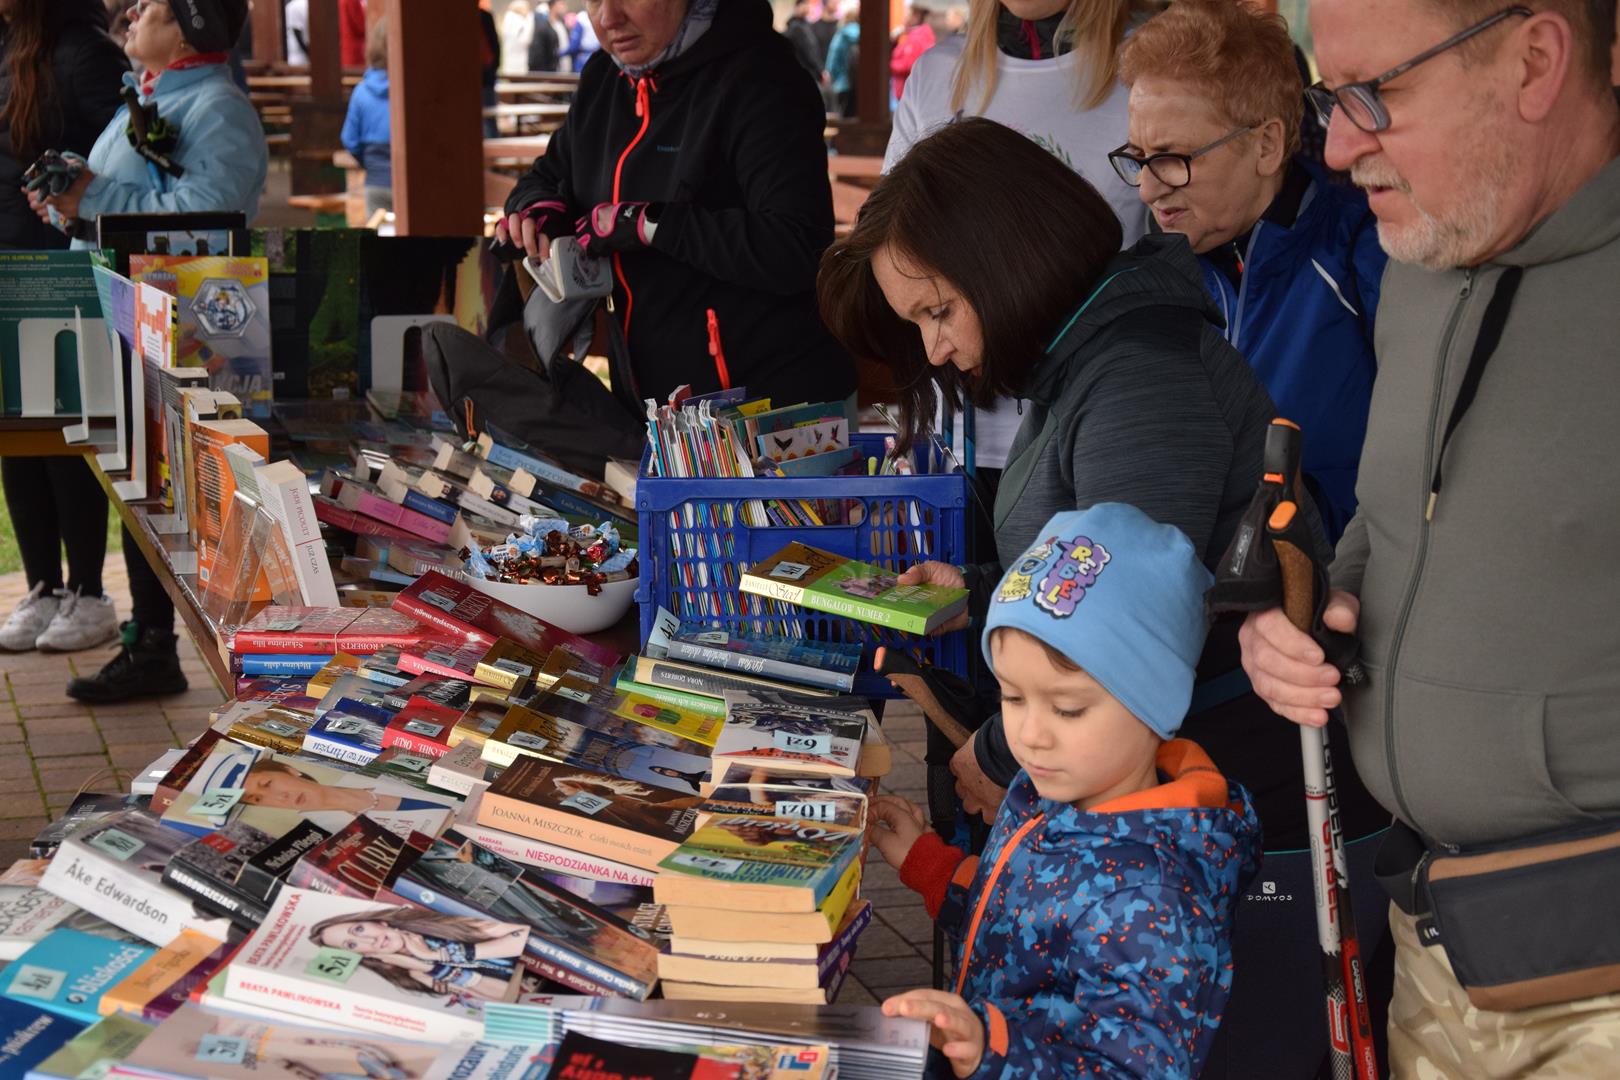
(59,82)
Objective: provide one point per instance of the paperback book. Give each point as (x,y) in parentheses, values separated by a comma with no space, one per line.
(68,972)
(29,1035)
(160,984)
(821,581)
(351,730)
(831,800)
(729,924)
(204,1044)
(114,869)
(328,631)
(614,746)
(766,953)
(393,970)
(794,733)
(588,811)
(600,952)
(545,856)
(112,1038)
(700,680)
(86,808)
(360,860)
(823,664)
(461,609)
(571,698)
(739,861)
(235,871)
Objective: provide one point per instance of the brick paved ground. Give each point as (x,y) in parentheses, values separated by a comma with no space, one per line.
(51,745)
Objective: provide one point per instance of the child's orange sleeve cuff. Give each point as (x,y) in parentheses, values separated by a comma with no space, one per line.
(932,866)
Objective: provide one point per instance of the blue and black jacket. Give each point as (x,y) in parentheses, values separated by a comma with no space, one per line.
(1299,292)
(1098,942)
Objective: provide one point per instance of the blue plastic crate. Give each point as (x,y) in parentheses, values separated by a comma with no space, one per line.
(695,543)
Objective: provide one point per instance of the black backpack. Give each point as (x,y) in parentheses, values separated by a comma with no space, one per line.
(567,413)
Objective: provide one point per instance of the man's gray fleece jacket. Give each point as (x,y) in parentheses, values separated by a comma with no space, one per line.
(1491,633)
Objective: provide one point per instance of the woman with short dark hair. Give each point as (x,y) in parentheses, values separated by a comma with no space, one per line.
(1133,395)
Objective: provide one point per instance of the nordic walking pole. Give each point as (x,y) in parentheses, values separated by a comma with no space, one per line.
(1304,595)
(1269,564)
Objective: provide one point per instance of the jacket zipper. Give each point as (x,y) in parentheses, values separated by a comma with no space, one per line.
(984,897)
(1404,612)
(1243,286)
(644,110)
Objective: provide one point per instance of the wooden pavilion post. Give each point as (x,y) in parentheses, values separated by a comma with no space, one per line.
(437,111)
(317,120)
(269,36)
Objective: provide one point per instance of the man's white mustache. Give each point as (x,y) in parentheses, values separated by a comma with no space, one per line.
(1377,174)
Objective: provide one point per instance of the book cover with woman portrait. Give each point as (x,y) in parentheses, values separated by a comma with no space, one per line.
(398,970)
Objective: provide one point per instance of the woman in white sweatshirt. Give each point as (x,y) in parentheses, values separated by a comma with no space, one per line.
(1047,69)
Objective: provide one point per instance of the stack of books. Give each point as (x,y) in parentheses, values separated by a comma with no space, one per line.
(762,897)
(693,665)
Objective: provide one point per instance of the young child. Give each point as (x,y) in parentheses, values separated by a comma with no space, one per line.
(1095,930)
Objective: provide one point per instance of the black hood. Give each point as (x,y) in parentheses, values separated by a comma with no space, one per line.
(738,24)
(1157,271)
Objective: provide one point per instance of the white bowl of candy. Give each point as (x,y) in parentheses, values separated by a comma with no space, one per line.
(567,607)
(578,579)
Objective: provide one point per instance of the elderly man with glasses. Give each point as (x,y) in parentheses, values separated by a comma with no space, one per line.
(1292,262)
(1479,569)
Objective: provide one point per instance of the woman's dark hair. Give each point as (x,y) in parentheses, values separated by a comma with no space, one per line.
(1019,234)
(30,38)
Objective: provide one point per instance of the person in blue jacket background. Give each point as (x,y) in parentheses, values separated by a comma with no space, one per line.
(367,129)
(182,48)
(1291,258)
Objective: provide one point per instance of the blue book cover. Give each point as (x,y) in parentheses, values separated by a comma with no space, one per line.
(29,1035)
(433,508)
(67,972)
(825,664)
(282,664)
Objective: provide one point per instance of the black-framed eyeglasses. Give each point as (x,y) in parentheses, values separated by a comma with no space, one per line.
(1361,101)
(1171,170)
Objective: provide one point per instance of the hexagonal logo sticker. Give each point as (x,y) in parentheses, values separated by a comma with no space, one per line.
(222,307)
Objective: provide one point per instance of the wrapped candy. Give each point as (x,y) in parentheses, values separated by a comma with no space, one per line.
(551,552)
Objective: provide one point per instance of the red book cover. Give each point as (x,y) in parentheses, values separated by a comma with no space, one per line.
(308,630)
(459,607)
(445,659)
(321,631)
(170,787)
(421,727)
(361,859)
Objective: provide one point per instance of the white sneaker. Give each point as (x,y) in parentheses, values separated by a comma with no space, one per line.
(81,622)
(29,619)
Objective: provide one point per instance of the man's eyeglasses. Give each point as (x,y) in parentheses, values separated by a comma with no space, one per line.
(1171,170)
(1360,100)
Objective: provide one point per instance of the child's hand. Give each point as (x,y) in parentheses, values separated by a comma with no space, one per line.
(958,1032)
(894,825)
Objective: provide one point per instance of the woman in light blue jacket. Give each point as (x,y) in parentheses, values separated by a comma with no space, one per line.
(220,146)
(214,159)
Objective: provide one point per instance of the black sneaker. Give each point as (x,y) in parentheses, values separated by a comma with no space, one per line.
(146,666)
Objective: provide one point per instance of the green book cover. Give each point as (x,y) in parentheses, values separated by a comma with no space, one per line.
(708,706)
(93,1051)
(819,580)
(731,850)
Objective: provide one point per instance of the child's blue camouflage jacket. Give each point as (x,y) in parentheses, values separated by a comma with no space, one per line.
(1098,942)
